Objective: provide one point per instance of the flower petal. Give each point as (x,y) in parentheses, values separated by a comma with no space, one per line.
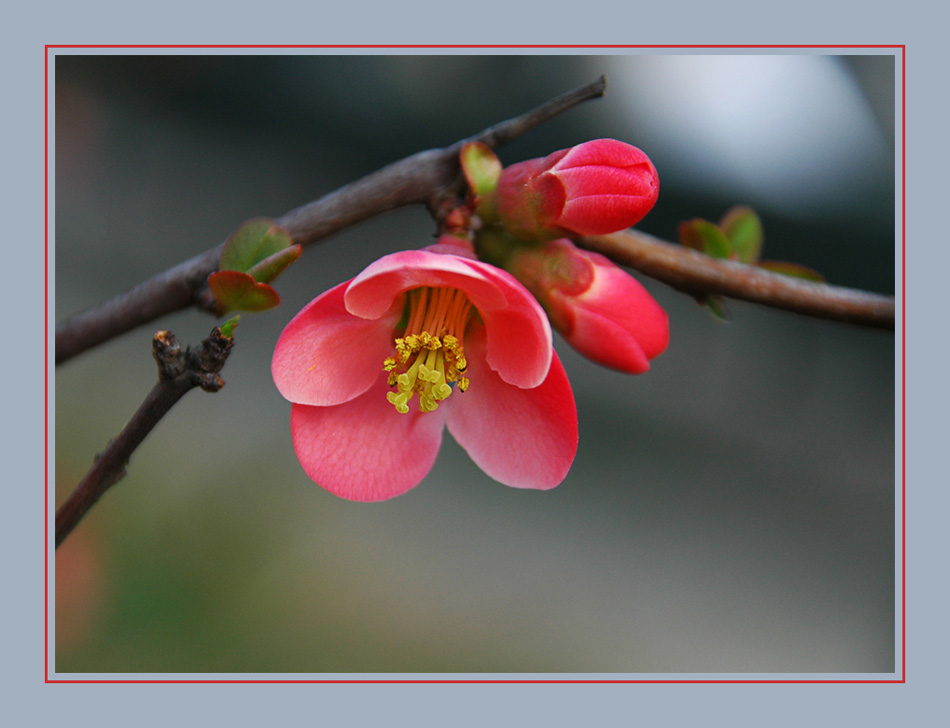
(326,355)
(639,181)
(372,292)
(525,438)
(603,340)
(363,450)
(603,215)
(519,336)
(601,152)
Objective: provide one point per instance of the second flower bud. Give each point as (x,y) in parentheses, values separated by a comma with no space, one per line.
(594,188)
(599,309)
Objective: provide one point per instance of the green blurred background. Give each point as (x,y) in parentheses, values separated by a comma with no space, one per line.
(730,511)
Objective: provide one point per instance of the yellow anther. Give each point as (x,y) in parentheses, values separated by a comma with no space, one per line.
(398,401)
(429,357)
(426,403)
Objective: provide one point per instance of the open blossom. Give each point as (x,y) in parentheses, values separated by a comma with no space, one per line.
(375,368)
(595,188)
(601,310)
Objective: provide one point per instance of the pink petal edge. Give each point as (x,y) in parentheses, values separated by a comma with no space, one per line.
(519,336)
(523,438)
(606,152)
(326,356)
(373,291)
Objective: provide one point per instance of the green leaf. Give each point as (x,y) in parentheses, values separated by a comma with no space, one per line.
(743,228)
(794,270)
(481,168)
(227,328)
(268,269)
(704,236)
(254,241)
(236,291)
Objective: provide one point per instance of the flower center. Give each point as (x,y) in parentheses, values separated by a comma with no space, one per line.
(430,359)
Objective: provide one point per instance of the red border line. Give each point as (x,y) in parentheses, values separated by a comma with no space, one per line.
(481,682)
(46,362)
(903,675)
(471,46)
(903,364)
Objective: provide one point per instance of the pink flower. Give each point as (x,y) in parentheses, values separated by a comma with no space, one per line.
(594,188)
(601,311)
(376,366)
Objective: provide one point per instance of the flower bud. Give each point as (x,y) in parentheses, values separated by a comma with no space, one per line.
(595,188)
(602,311)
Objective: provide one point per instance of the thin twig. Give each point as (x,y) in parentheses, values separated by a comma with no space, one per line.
(178,373)
(697,274)
(418,179)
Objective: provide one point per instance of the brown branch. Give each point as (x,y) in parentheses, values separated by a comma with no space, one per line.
(178,373)
(695,273)
(418,179)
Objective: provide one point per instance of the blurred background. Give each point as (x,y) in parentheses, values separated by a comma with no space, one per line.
(732,510)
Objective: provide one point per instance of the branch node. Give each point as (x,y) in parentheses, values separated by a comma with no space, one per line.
(168,355)
(209,358)
(210,382)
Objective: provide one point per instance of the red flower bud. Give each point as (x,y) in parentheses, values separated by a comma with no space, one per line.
(594,188)
(602,311)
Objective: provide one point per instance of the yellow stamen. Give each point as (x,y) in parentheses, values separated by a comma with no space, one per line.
(429,356)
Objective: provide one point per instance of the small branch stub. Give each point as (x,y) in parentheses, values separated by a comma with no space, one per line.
(178,372)
(168,355)
(210,358)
